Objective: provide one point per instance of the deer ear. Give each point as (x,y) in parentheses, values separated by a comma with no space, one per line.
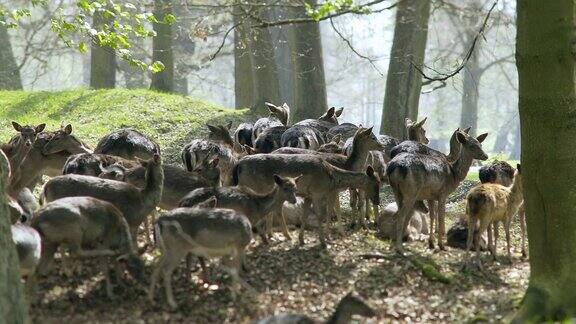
(408,122)
(482,137)
(212,129)
(461,137)
(68,129)
(339,111)
(421,123)
(40,128)
(370,171)
(16,126)
(330,112)
(278,180)
(369,130)
(467,129)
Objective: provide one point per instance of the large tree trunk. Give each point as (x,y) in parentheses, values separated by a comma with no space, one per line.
(13,307)
(546,72)
(471,82)
(102,60)
(9,71)
(308,65)
(162,48)
(283,38)
(404,82)
(266,87)
(243,83)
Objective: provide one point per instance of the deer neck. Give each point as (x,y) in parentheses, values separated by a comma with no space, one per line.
(152,191)
(358,156)
(270,201)
(348,179)
(516,196)
(461,166)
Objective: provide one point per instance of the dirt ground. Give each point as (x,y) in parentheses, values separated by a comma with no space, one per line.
(426,286)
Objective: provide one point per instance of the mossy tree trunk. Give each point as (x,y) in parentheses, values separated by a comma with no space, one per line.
(545,54)
(13,307)
(404,82)
(243,83)
(266,86)
(162,48)
(308,65)
(9,71)
(102,60)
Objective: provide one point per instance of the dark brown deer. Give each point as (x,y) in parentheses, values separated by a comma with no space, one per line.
(279,116)
(127,143)
(415,177)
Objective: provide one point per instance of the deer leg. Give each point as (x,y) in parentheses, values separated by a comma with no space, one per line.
(353,198)
(508,243)
(522,216)
(304,219)
(472,221)
(484,226)
(404,209)
(432,212)
(169,266)
(106,271)
(321,208)
(490,241)
(496,229)
(284,225)
(155,274)
(234,270)
(441,223)
(332,201)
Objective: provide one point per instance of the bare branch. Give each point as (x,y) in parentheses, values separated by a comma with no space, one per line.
(446,76)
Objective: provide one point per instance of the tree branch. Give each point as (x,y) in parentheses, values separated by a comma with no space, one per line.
(446,76)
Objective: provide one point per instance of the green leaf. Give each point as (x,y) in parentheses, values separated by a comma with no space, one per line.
(82,47)
(157,66)
(169,19)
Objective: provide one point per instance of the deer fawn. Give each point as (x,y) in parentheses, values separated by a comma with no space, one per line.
(134,203)
(490,204)
(415,177)
(204,232)
(83,221)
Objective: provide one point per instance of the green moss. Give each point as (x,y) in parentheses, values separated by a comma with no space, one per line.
(170,119)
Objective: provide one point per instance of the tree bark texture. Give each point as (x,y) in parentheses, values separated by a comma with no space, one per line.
(162,48)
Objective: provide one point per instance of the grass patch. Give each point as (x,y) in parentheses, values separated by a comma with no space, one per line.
(171,120)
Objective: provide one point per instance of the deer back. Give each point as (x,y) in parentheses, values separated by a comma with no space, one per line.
(127,143)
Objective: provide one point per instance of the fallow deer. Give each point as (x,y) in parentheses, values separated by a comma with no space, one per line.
(127,143)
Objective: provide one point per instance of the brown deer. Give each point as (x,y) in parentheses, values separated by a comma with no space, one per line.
(415,177)
(127,143)
(255,206)
(63,140)
(413,146)
(85,221)
(323,124)
(36,164)
(490,204)
(92,163)
(345,131)
(319,183)
(334,146)
(301,136)
(134,203)
(19,145)
(204,232)
(269,139)
(347,307)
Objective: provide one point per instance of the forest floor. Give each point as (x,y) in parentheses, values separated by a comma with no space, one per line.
(427,286)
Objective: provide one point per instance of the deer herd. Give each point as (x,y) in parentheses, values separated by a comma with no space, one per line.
(260,177)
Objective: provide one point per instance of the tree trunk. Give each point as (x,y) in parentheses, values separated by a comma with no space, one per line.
(243,83)
(471,83)
(283,38)
(308,65)
(9,71)
(547,98)
(404,82)
(266,87)
(13,307)
(102,60)
(162,48)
